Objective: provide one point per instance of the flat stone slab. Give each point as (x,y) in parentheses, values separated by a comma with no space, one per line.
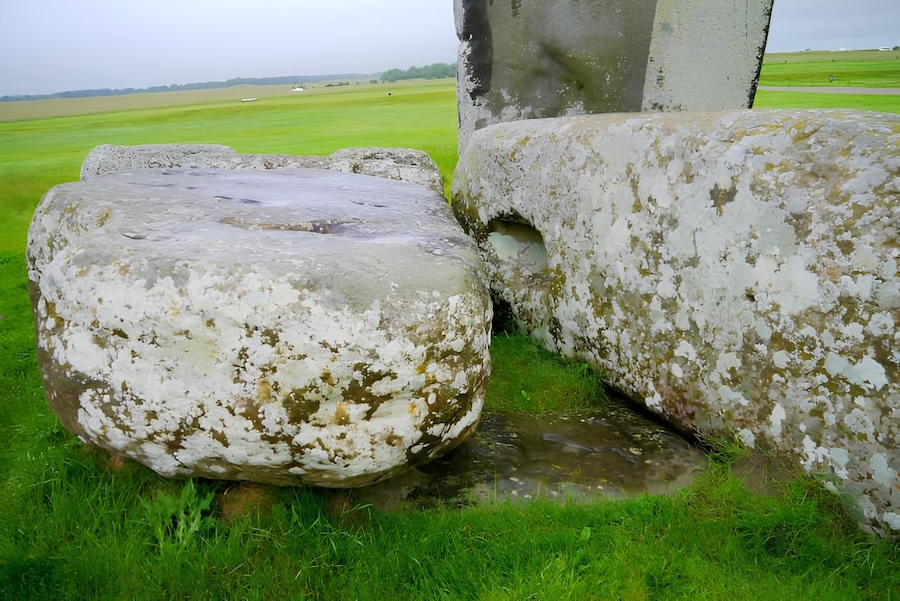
(289,326)
(736,272)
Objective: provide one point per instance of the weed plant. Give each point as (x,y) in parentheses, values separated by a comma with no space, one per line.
(75,524)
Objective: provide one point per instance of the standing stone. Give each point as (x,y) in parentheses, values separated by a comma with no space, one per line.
(526,59)
(289,326)
(736,272)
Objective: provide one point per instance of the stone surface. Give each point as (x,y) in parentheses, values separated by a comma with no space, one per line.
(403,164)
(109,159)
(736,272)
(290,326)
(527,59)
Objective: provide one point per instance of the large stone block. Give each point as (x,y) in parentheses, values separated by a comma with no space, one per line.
(736,272)
(290,326)
(528,59)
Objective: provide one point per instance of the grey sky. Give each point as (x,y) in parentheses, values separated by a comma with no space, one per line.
(54,45)
(50,46)
(834,24)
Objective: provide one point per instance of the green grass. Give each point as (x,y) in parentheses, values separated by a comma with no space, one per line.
(859,69)
(828,56)
(805,100)
(73,524)
(528,379)
(37,154)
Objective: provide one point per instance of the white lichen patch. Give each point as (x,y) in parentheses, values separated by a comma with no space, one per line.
(276,354)
(737,272)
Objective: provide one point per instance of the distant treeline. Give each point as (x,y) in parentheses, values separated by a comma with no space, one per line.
(206,85)
(435,71)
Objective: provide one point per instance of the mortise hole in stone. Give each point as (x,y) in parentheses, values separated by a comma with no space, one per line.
(321,226)
(514,239)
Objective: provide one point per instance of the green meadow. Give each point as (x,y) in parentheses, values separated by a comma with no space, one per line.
(858,69)
(879,103)
(819,69)
(75,525)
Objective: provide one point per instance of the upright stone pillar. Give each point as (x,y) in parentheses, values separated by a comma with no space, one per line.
(530,59)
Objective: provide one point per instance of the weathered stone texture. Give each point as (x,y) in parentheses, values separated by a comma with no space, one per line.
(108,158)
(737,272)
(530,59)
(291,326)
(404,164)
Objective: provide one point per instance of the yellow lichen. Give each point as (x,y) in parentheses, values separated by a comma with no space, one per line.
(263,391)
(341,416)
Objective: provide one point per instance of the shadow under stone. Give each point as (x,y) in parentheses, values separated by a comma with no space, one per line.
(612,451)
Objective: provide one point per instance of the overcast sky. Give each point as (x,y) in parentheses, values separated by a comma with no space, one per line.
(51,46)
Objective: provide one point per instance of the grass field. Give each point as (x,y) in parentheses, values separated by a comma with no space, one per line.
(766,99)
(860,69)
(38,152)
(73,525)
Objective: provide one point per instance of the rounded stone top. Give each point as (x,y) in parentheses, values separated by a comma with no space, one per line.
(375,228)
(289,326)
